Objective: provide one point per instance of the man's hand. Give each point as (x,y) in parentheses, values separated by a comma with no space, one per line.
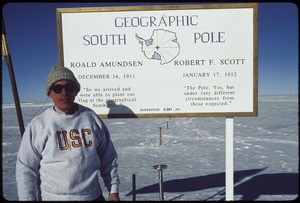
(113,197)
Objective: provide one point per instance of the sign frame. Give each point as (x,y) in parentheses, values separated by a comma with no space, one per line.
(253,6)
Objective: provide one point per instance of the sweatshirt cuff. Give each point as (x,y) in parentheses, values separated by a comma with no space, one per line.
(114,188)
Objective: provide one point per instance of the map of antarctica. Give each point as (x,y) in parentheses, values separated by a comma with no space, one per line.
(162,46)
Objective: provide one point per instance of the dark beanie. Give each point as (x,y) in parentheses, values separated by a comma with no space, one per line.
(58,73)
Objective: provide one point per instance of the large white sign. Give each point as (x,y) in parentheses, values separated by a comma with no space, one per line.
(163,61)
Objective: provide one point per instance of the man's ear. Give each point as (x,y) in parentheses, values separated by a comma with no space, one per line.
(50,94)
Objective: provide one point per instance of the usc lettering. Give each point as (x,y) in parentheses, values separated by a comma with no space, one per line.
(78,139)
(66,143)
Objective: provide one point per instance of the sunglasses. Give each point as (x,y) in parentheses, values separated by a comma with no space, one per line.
(70,87)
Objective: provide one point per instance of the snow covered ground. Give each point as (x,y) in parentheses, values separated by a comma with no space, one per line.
(266,157)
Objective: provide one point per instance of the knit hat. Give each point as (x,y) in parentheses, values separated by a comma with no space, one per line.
(58,73)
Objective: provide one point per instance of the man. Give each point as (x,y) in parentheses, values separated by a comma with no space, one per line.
(65,148)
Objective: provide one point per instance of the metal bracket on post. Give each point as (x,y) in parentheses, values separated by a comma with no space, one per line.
(160,168)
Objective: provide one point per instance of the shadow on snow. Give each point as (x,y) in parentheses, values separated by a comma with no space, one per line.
(247,183)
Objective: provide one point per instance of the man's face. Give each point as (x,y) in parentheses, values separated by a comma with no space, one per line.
(63,94)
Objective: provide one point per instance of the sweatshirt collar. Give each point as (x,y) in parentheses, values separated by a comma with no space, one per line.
(63,113)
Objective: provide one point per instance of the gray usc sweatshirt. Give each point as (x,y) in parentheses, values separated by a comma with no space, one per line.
(61,156)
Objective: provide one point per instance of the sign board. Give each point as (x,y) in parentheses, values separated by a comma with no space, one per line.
(163,61)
